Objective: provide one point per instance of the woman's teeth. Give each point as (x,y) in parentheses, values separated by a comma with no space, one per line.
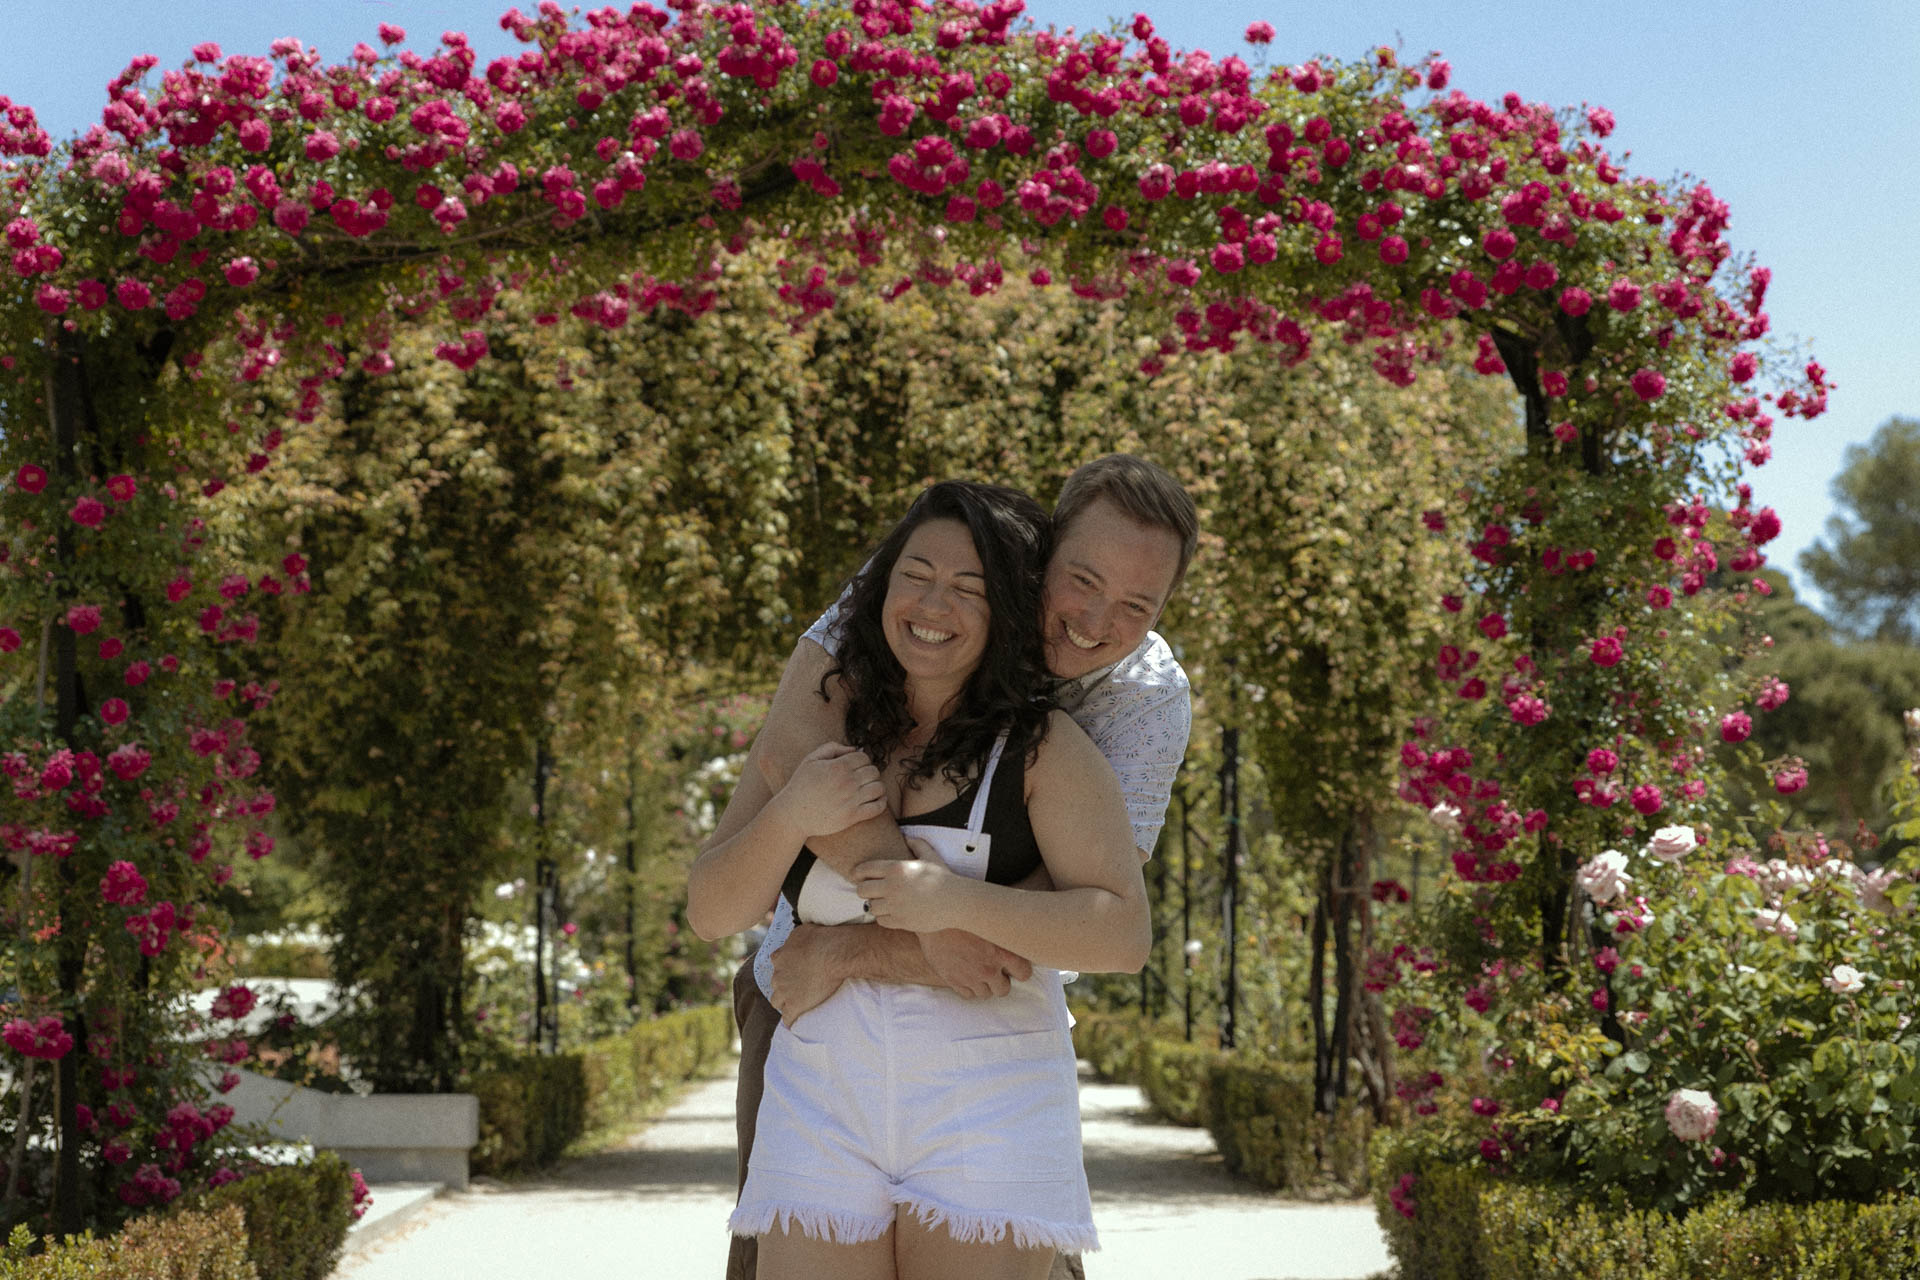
(929,637)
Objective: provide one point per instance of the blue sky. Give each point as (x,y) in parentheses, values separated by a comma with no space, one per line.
(1805,118)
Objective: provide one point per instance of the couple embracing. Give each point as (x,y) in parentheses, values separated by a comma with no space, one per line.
(968,759)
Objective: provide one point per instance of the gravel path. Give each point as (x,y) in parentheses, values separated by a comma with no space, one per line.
(656,1209)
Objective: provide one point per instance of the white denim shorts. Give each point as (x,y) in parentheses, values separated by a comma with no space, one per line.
(967,1112)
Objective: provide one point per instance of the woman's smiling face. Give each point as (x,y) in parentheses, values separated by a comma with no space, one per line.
(936,614)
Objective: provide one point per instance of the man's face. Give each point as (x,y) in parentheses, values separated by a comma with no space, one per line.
(1106,584)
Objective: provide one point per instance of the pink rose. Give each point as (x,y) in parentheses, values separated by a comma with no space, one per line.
(1649,384)
(1670,844)
(122,488)
(1607,652)
(114,711)
(1647,799)
(1528,710)
(89,511)
(1692,1115)
(1735,726)
(84,618)
(123,885)
(1604,877)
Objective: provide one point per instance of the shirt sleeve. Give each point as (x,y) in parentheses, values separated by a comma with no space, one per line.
(825,630)
(1145,746)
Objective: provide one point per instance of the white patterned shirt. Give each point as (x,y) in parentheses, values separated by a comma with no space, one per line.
(1138,713)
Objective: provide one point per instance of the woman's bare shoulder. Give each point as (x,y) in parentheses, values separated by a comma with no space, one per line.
(1067,754)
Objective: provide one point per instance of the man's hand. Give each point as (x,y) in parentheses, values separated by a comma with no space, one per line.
(971,966)
(805,971)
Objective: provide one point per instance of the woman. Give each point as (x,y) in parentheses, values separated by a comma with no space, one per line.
(905,1131)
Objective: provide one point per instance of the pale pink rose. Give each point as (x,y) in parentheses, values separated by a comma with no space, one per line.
(1604,877)
(1844,980)
(1692,1115)
(1872,887)
(1775,921)
(1446,816)
(1670,844)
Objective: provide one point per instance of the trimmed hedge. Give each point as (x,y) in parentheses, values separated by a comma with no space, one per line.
(296,1216)
(1469,1225)
(176,1246)
(1259,1111)
(1173,1075)
(530,1112)
(1261,1117)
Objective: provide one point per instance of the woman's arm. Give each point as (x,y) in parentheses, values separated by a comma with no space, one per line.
(738,873)
(1096,919)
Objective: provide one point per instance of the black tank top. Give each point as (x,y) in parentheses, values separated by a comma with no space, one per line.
(1012,856)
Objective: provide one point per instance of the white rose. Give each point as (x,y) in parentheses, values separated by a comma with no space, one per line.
(1670,844)
(1446,816)
(1776,922)
(1872,887)
(1913,721)
(1692,1114)
(1604,877)
(1844,980)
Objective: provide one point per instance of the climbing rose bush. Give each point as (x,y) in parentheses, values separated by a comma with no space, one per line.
(239,228)
(1781,1063)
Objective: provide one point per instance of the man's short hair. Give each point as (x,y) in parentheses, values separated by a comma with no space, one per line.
(1146,492)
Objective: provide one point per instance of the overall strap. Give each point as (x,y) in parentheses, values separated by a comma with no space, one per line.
(978,819)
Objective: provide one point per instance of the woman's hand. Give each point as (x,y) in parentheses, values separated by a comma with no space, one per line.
(834,788)
(908,895)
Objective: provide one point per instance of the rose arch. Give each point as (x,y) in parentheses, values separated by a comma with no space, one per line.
(238,224)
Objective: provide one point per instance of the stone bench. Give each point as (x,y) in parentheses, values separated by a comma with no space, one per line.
(389,1137)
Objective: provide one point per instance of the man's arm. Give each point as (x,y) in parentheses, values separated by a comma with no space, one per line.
(816,959)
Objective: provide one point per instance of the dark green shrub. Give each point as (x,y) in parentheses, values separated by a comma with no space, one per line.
(296,1215)
(1467,1224)
(529,1112)
(532,1110)
(1173,1075)
(1262,1119)
(176,1246)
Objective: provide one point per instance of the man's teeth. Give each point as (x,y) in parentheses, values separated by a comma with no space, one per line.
(930,637)
(1080,641)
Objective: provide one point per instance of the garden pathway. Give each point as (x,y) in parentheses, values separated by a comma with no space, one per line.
(654,1210)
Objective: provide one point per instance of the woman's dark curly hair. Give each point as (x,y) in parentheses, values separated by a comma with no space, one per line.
(1010,689)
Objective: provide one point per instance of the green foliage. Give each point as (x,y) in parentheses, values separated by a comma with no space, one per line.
(209,1245)
(1781,989)
(530,1112)
(1869,562)
(1174,1075)
(1468,1225)
(1262,1118)
(296,1216)
(1843,720)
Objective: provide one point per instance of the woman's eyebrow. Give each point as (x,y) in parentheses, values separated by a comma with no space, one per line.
(964,573)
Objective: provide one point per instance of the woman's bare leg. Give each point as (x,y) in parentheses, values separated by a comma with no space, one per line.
(792,1255)
(930,1253)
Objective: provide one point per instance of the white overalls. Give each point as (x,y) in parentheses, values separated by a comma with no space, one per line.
(967,1111)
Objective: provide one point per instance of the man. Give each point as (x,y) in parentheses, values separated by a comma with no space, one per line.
(1124,534)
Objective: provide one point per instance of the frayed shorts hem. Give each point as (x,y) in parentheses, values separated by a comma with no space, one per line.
(838,1226)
